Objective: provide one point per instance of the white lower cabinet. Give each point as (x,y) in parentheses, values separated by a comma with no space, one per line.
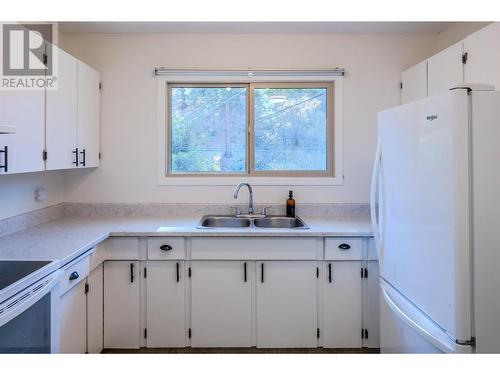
(287,304)
(166,304)
(122,304)
(371,306)
(73,320)
(95,310)
(342,304)
(221,303)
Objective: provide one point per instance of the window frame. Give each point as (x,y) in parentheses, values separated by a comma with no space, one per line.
(334,173)
(330,144)
(168,149)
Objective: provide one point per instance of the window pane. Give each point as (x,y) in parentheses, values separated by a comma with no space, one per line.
(290,129)
(208,129)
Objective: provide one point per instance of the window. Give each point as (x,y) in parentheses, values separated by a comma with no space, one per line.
(252,129)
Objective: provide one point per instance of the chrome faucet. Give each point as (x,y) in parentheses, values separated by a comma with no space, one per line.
(250,195)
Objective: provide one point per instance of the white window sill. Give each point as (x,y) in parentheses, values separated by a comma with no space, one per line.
(256,181)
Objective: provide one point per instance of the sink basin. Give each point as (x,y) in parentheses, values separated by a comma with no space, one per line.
(280,222)
(215,221)
(224,222)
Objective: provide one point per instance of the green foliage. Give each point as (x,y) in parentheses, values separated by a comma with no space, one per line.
(209,127)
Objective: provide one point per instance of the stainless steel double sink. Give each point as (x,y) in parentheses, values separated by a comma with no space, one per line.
(221,221)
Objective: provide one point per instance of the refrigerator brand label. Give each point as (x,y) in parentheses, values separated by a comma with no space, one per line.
(432,117)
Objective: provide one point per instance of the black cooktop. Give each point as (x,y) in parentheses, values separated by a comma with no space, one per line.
(14,270)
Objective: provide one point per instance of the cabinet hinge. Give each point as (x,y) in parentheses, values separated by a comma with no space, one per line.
(465,57)
(44,155)
(317,333)
(317,272)
(99,156)
(145,333)
(87,288)
(145,272)
(45,59)
(189,333)
(189,272)
(100,86)
(401,85)
(364,333)
(364,273)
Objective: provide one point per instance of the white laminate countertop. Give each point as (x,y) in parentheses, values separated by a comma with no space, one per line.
(65,239)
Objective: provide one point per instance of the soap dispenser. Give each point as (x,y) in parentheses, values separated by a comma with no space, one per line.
(290,205)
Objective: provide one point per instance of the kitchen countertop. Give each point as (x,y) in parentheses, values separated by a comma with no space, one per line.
(65,239)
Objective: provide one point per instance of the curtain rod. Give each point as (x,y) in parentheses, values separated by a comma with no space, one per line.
(249,73)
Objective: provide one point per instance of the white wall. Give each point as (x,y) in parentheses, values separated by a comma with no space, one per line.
(128,113)
(17,192)
(456,32)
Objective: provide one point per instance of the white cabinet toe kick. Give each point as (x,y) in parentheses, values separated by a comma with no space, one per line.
(265,292)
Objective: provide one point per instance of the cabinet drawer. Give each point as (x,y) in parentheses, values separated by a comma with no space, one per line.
(122,248)
(166,248)
(343,249)
(75,272)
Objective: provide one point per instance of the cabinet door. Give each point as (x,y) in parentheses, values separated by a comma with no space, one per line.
(445,69)
(166,304)
(122,306)
(483,56)
(286,304)
(61,115)
(371,305)
(73,318)
(26,111)
(221,304)
(414,81)
(95,311)
(88,116)
(342,304)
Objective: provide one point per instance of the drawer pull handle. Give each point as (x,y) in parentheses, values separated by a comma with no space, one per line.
(132,272)
(329,272)
(165,247)
(344,246)
(177,271)
(74,275)
(245,271)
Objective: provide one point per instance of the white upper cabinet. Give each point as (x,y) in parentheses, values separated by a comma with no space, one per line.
(483,56)
(58,121)
(61,115)
(445,70)
(88,116)
(22,151)
(414,83)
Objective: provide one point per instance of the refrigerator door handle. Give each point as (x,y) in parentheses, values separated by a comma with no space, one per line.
(373,194)
(421,324)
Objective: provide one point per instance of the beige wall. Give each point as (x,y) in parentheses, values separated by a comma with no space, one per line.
(17,192)
(128,169)
(456,32)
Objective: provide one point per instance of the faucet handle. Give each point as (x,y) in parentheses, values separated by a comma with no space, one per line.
(263,210)
(238,210)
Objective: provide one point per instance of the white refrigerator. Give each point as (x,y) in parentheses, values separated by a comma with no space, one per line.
(436,178)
